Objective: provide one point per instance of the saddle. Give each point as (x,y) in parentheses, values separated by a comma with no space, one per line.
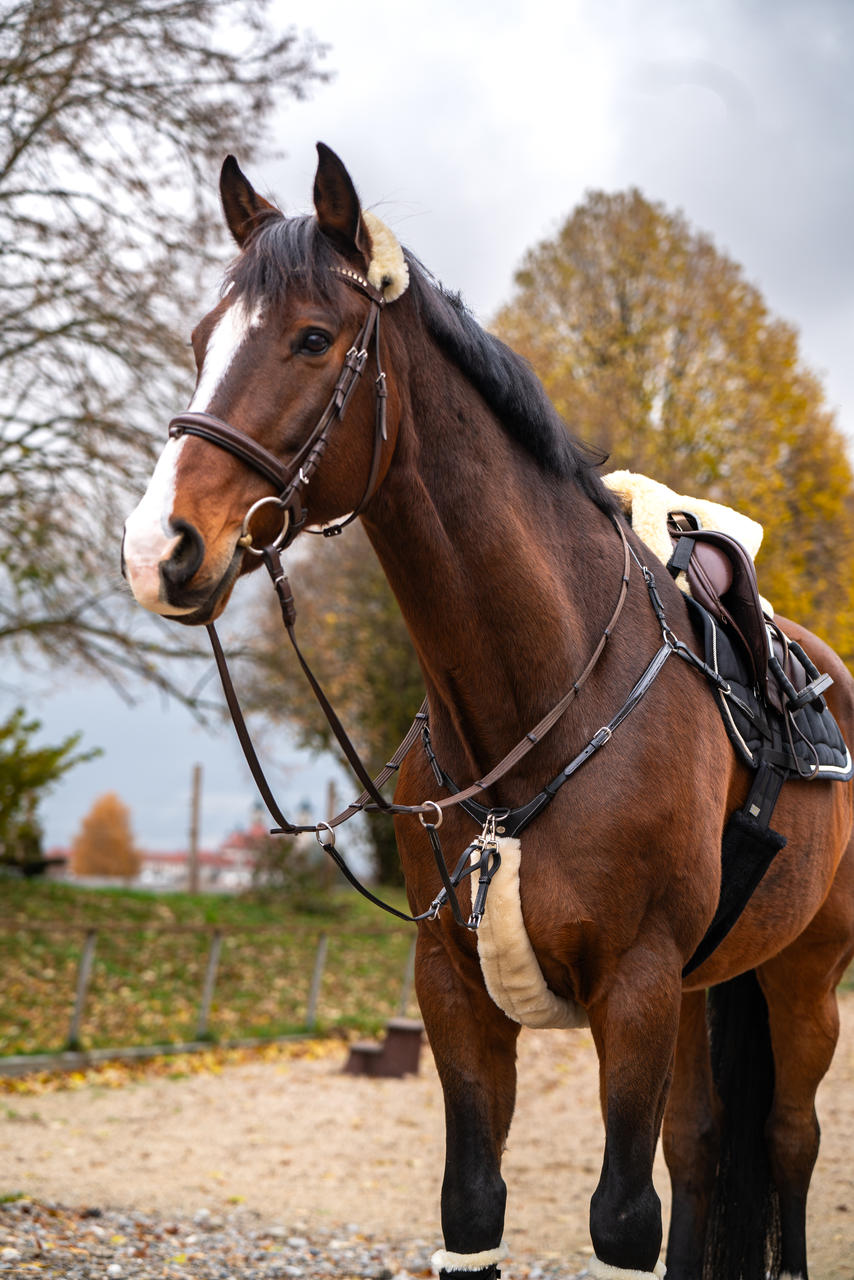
(721,577)
(770,696)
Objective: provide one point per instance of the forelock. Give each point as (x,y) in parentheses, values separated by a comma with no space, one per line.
(281,253)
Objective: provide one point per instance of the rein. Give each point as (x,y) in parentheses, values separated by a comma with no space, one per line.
(290,483)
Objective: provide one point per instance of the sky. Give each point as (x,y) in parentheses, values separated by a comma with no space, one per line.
(473,132)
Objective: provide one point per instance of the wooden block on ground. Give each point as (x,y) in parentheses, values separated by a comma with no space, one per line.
(401,1048)
(398,1055)
(363,1059)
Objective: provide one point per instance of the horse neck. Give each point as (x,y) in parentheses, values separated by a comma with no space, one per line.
(506,576)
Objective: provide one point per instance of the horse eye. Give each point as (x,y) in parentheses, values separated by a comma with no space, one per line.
(315,342)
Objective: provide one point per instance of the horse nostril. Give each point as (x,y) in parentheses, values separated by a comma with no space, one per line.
(187,557)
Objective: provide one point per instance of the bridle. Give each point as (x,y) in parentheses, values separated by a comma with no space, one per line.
(290,483)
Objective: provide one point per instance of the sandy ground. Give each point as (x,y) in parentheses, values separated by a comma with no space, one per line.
(302,1144)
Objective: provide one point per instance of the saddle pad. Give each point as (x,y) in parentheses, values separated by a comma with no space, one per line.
(757,731)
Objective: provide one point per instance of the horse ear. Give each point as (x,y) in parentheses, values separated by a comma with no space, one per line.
(242,205)
(339,213)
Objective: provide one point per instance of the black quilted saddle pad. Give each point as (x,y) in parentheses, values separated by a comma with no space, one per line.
(757,731)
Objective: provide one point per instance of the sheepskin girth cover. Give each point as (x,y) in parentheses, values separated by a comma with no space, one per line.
(511,971)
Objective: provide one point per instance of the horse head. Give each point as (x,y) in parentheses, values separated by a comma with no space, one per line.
(278,360)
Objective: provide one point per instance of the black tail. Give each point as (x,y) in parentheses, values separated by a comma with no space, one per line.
(743,1235)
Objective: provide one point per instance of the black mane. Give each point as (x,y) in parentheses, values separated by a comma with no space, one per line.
(287,250)
(509,386)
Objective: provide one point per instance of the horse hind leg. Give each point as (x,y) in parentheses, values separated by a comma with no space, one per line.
(474,1047)
(775,1041)
(800,990)
(793,1130)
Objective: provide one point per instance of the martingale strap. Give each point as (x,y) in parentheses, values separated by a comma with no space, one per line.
(550,719)
(512,821)
(372,796)
(285,827)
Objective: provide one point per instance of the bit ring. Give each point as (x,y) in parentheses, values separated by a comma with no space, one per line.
(245,539)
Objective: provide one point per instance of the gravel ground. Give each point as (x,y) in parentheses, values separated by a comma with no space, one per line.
(286,1167)
(38,1239)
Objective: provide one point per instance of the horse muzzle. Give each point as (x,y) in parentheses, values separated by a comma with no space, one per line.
(165,572)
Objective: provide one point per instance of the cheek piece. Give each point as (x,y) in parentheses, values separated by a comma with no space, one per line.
(387,279)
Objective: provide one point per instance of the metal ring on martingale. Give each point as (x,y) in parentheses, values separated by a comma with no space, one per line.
(440,817)
(245,539)
(321,826)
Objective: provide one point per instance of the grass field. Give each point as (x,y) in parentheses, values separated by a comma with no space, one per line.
(150,961)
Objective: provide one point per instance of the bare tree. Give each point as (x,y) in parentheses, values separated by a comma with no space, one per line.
(114,118)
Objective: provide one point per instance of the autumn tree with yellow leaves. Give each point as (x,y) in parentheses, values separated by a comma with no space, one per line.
(653,345)
(104,845)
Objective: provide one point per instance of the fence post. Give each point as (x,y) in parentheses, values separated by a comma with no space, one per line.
(316,979)
(408,978)
(209,984)
(84,973)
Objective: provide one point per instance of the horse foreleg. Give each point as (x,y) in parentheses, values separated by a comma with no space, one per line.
(691,1141)
(474,1046)
(635,1030)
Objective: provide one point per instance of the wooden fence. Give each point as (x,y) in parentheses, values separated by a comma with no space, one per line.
(317,956)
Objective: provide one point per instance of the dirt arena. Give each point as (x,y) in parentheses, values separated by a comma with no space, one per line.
(305,1147)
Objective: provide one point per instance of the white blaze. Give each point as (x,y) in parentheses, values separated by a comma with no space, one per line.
(149,535)
(232,329)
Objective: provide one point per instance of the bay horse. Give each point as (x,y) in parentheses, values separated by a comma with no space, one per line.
(506,554)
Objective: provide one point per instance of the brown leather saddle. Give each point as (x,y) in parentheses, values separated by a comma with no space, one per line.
(722,578)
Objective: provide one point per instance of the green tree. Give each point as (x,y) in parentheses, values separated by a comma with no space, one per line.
(104,845)
(356,641)
(27,772)
(653,345)
(114,116)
